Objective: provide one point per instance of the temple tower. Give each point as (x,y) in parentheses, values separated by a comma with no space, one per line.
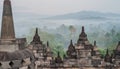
(8,41)
(7,29)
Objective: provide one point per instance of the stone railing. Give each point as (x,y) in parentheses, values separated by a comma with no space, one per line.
(16,64)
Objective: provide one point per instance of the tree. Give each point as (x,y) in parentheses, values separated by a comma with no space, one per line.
(72,30)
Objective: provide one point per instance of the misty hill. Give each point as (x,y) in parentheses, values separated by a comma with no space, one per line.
(86,15)
(99,26)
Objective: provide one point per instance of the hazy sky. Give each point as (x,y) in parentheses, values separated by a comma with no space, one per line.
(50,7)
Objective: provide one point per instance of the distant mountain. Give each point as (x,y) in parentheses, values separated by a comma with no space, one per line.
(86,15)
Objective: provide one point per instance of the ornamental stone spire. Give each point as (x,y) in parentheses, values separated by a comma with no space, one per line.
(7,29)
(36,38)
